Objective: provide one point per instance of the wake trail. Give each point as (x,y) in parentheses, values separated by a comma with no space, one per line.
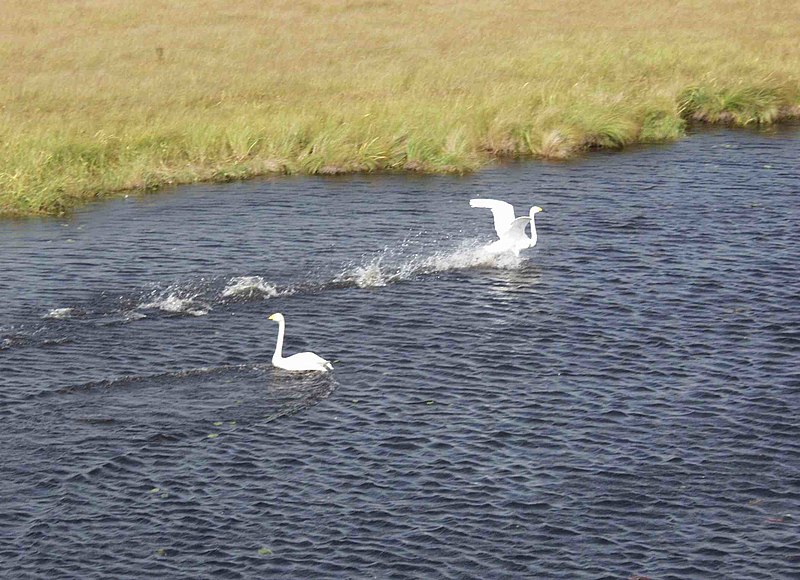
(197,298)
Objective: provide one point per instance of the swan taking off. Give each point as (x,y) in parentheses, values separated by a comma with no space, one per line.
(302,361)
(510,229)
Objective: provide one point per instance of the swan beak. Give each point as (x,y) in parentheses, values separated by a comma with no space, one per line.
(271,317)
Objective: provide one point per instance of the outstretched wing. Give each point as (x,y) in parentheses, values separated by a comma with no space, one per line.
(516,233)
(502,211)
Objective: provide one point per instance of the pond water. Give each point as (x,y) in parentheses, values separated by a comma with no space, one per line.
(622,401)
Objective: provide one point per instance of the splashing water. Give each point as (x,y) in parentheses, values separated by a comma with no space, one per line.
(392,265)
(249,287)
(175,304)
(369,275)
(470,255)
(398,263)
(59,313)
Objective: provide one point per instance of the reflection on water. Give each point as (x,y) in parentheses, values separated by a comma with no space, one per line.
(509,283)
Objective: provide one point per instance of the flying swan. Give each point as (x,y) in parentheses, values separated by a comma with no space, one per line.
(302,361)
(510,229)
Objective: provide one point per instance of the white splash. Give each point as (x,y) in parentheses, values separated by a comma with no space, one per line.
(59,313)
(388,267)
(469,255)
(249,287)
(369,275)
(176,304)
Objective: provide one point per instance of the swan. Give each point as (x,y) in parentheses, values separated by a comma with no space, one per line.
(510,229)
(302,361)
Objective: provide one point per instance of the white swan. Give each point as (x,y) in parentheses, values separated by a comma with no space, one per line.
(510,229)
(302,361)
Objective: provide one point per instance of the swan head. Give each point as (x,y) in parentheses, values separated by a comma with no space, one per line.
(277,317)
(535,209)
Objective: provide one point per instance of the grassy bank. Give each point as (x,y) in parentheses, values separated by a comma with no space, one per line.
(98,96)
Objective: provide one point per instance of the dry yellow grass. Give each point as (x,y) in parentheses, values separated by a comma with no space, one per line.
(98,96)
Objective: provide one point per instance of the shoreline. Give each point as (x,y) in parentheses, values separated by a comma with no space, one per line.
(97,100)
(560,150)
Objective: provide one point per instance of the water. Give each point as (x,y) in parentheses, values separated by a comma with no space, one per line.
(622,401)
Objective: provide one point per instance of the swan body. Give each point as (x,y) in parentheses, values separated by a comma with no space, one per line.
(510,229)
(302,361)
(513,239)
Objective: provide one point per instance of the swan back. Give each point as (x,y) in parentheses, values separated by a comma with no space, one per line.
(305,361)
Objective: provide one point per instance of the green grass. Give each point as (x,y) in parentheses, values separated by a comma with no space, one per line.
(740,106)
(98,97)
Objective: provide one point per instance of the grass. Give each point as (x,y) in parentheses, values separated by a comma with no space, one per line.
(101,96)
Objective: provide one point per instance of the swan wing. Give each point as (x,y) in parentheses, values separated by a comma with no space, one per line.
(502,211)
(513,239)
(307,361)
(516,232)
(310,356)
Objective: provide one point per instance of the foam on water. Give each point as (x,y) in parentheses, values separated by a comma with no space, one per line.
(468,255)
(249,287)
(174,303)
(403,261)
(60,313)
(392,266)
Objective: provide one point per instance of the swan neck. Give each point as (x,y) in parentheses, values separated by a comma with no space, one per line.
(533,230)
(279,344)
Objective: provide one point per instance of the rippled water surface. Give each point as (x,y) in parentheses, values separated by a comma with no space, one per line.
(623,401)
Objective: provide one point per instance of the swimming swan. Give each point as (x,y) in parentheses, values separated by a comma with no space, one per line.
(510,229)
(302,361)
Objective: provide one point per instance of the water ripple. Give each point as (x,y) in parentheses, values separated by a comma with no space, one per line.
(620,402)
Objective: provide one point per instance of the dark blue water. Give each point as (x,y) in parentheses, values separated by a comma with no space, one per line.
(623,401)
